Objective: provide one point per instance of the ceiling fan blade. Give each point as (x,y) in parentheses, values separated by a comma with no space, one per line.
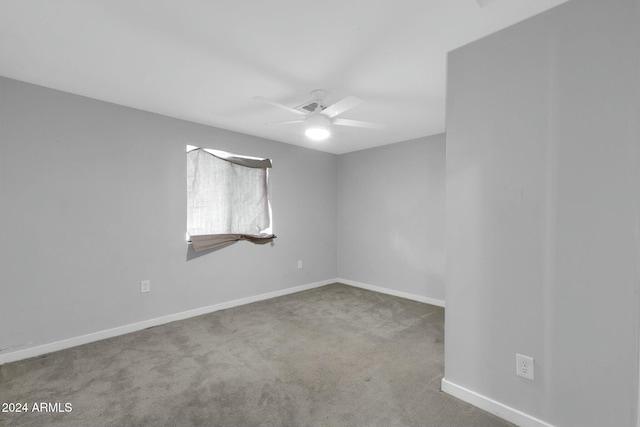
(341,106)
(358,124)
(277,104)
(288,122)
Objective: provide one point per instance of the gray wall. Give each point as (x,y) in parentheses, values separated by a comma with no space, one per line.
(391,217)
(543,166)
(93,200)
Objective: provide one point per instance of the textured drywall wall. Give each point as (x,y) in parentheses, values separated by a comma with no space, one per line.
(543,214)
(93,200)
(391,223)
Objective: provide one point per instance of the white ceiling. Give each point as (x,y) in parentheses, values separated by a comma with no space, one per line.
(203,60)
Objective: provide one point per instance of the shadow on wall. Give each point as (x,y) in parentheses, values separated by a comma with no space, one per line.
(191,254)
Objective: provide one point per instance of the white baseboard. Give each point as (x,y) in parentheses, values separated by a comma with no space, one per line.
(499,409)
(39,350)
(382,290)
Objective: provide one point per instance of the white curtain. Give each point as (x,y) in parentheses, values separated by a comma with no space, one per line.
(227,198)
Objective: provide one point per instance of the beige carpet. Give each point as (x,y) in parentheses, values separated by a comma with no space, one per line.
(331,356)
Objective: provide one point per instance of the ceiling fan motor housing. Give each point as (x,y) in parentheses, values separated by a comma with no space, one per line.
(318,121)
(318,126)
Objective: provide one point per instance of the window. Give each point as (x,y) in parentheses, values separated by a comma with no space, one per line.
(227,198)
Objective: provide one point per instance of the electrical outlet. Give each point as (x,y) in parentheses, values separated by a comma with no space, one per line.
(145,286)
(524,366)
(300,264)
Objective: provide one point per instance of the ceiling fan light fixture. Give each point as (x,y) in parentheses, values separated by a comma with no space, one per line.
(317,134)
(317,127)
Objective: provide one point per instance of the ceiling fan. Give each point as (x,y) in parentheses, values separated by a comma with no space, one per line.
(318,118)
